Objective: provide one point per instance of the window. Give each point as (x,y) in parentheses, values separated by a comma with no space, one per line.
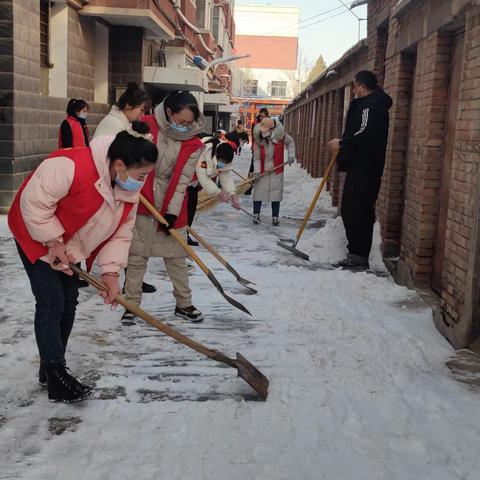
(250,87)
(201,14)
(279,89)
(45,33)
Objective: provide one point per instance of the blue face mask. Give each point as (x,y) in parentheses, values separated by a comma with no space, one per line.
(221,164)
(129,184)
(180,128)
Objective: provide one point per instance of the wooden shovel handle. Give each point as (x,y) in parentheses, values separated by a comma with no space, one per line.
(207,246)
(171,332)
(316,196)
(191,253)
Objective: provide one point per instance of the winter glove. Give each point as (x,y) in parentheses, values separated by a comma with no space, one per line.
(290,161)
(57,256)
(235,202)
(257,176)
(170,218)
(223,196)
(111,282)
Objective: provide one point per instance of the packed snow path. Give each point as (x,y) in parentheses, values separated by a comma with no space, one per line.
(358,383)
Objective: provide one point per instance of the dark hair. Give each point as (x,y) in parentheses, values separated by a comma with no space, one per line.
(367,78)
(75,105)
(132,150)
(180,100)
(225,152)
(264,110)
(140,127)
(133,96)
(239,122)
(243,136)
(233,137)
(215,142)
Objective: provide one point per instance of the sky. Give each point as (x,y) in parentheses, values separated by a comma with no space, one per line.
(336,31)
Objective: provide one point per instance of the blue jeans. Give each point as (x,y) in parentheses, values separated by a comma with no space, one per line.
(257,207)
(56,297)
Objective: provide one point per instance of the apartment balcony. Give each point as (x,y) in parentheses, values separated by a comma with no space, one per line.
(155,16)
(184,78)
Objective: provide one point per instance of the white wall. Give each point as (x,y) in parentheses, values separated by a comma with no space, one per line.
(264,77)
(101,63)
(57,81)
(266,20)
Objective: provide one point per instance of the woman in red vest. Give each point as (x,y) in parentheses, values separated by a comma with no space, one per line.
(175,124)
(79,204)
(269,144)
(73,131)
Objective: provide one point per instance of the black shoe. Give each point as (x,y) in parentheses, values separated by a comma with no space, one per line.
(82,283)
(275,221)
(62,387)
(192,242)
(147,288)
(42,377)
(189,313)
(128,318)
(256,220)
(354,263)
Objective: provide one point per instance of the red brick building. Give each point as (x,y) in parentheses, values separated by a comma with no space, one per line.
(427,56)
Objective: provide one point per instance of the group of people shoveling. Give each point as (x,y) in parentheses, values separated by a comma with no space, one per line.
(121,198)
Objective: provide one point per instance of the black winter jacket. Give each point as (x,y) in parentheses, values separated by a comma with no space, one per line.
(364,142)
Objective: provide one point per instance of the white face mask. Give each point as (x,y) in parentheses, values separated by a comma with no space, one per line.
(82,115)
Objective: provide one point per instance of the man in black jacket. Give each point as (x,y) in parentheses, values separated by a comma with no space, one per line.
(362,156)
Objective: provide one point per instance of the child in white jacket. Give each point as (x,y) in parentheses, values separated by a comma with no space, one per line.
(215,162)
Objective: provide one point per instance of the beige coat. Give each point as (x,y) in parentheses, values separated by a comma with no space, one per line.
(148,241)
(270,187)
(51,182)
(115,122)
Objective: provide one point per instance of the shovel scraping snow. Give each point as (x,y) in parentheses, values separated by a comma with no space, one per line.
(293,243)
(246,370)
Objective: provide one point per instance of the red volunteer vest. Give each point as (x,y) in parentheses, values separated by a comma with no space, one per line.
(78,137)
(73,211)
(188,148)
(278,157)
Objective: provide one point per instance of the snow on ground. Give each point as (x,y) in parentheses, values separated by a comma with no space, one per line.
(358,383)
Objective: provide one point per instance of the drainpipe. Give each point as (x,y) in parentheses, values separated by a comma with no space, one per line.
(179,12)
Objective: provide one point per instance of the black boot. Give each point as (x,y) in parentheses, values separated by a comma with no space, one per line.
(42,376)
(354,263)
(192,242)
(62,387)
(147,288)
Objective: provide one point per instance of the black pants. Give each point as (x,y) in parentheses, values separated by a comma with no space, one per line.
(56,297)
(358,212)
(192,203)
(257,208)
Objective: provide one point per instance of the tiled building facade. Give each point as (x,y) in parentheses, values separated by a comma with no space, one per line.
(53,51)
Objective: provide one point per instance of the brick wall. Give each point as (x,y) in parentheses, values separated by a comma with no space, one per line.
(126,58)
(413,55)
(34,116)
(6,97)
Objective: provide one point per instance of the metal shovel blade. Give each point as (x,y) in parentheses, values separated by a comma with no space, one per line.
(254,377)
(292,249)
(229,299)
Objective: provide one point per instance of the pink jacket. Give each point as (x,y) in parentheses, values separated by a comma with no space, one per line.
(52,181)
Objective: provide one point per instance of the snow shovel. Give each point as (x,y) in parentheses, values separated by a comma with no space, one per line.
(245,369)
(243,281)
(193,255)
(291,248)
